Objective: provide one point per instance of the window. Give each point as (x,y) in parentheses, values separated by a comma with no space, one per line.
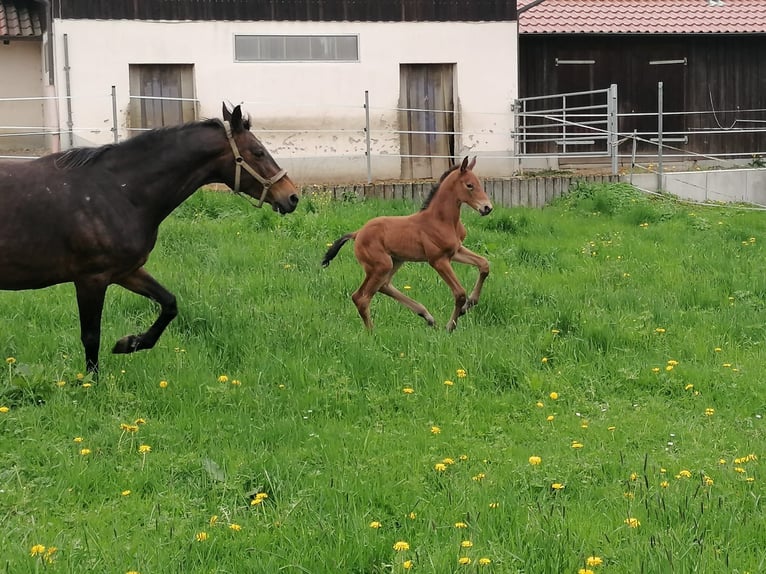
(161,95)
(296,48)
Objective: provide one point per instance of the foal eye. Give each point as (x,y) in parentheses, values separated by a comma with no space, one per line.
(258,152)
(469,186)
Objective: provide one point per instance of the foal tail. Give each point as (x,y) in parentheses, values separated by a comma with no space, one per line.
(335,247)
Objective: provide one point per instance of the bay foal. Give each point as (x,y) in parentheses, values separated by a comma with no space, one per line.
(434,234)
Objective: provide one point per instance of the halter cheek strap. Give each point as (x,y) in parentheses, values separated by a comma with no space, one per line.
(241,164)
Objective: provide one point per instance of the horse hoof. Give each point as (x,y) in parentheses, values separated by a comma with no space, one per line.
(451,326)
(127,344)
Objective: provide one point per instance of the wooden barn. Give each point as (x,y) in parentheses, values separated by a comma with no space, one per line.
(710,56)
(303,69)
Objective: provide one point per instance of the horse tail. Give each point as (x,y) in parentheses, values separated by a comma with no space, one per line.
(335,247)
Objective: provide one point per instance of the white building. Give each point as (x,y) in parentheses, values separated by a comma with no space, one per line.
(440,79)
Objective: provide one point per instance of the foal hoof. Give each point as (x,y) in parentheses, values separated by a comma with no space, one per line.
(127,344)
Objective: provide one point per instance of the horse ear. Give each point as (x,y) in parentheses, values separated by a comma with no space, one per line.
(473,163)
(226,111)
(464,165)
(236,119)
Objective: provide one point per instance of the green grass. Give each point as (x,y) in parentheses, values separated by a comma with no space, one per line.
(639,314)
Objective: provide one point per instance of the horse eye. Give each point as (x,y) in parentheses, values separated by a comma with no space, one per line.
(258,152)
(469,186)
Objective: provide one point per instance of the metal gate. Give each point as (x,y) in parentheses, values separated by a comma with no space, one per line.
(568,125)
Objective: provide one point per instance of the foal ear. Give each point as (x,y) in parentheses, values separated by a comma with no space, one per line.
(473,163)
(464,166)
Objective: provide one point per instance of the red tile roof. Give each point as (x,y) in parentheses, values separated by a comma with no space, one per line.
(643,17)
(19,18)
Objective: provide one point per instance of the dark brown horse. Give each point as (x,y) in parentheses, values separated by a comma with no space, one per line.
(434,234)
(90,215)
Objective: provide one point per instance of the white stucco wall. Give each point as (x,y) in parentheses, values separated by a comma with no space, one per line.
(309,114)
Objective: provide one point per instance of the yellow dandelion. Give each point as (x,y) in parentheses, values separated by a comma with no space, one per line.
(4,409)
(448,383)
(659,330)
(235,527)
(484,561)
(709,412)
(407,287)
(739,469)
(673,363)
(539,405)
(632,522)
(464,561)
(435,430)
(61,384)
(544,360)
(550,418)
(408,390)
(577,445)
(200,536)
(557,486)
(163,384)
(412,515)
(479,477)
(555,331)
(125,493)
(144,449)
(707,481)
(655,369)
(684,474)
(688,387)
(585,571)
(461,525)
(375,525)
(461,373)
(448,460)
(37,549)
(554,396)
(750,479)
(401,546)
(236,382)
(611,428)
(213,520)
(140,421)
(494,505)
(85,451)
(440,467)
(535,460)
(78,439)
(86,385)
(721,461)
(223,379)
(466,544)
(591,561)
(407,564)
(664,484)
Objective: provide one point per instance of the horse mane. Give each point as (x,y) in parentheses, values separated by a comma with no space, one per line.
(80,156)
(437,185)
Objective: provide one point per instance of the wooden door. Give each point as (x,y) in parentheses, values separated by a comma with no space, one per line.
(427,119)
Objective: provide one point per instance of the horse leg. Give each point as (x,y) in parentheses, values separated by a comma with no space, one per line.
(142,283)
(468,257)
(444,269)
(388,289)
(90,303)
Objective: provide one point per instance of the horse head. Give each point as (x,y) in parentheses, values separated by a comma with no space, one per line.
(264,179)
(469,189)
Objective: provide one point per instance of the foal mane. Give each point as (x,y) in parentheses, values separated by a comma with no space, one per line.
(437,185)
(80,156)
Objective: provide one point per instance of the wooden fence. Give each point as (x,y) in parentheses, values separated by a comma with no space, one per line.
(505,192)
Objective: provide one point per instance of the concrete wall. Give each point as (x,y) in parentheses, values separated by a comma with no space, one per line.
(729,185)
(293,103)
(21,76)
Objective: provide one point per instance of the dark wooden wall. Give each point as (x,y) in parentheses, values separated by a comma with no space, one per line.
(725,74)
(296,10)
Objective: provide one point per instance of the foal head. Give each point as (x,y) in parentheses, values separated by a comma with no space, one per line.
(263,180)
(466,187)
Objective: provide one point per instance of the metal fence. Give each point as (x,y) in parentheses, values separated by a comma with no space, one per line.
(572,127)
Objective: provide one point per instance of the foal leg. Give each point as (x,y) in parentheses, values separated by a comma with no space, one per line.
(444,269)
(468,257)
(144,284)
(388,289)
(90,302)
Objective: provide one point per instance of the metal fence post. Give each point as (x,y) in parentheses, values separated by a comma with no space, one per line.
(114,115)
(613,126)
(367,133)
(69,122)
(659,136)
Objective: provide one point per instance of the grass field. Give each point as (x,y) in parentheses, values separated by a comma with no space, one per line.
(599,411)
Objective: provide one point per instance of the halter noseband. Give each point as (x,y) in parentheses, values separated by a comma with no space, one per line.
(240,163)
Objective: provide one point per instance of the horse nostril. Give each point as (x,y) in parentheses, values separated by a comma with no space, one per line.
(486,210)
(294,199)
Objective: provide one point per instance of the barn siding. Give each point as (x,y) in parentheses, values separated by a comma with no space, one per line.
(289,10)
(724,73)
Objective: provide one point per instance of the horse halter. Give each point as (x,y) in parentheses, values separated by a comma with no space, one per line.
(241,163)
